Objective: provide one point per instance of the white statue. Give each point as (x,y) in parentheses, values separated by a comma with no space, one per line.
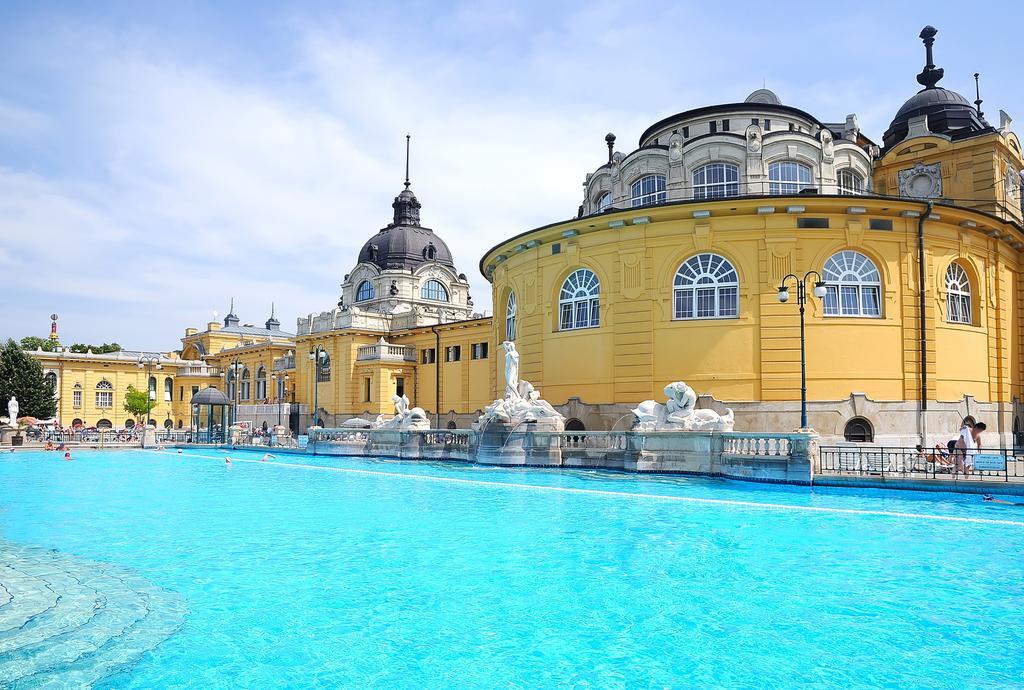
(12,411)
(522,402)
(511,369)
(679,413)
(405,417)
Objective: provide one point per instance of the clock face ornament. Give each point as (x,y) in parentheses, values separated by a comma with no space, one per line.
(921,181)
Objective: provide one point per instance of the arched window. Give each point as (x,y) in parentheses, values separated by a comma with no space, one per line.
(706,286)
(261,383)
(575,425)
(231,383)
(76,395)
(858,430)
(168,424)
(452,425)
(430,252)
(958,295)
(152,388)
(246,383)
(853,285)
(649,189)
(168,389)
(104,424)
(604,202)
(716,181)
(181,423)
(104,394)
(850,182)
(510,317)
(364,291)
(579,303)
(77,422)
(129,424)
(788,177)
(51,378)
(434,290)
(323,372)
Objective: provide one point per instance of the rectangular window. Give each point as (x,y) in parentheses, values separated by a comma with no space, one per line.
(479,351)
(181,393)
(367,385)
(881,224)
(453,353)
(753,120)
(104,399)
(791,127)
(713,126)
(767,125)
(725,125)
(399,386)
(556,248)
(686,132)
(812,223)
(77,398)
(429,355)
(195,389)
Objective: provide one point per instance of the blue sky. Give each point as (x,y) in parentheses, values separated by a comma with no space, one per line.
(157,160)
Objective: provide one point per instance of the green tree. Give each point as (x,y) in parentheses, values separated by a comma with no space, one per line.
(22,377)
(136,402)
(96,349)
(32,343)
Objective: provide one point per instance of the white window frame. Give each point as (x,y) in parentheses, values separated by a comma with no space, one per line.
(604,201)
(104,395)
(649,189)
(367,294)
(428,291)
(852,283)
(958,295)
(76,396)
(706,286)
(511,317)
(850,182)
(725,184)
(785,177)
(579,301)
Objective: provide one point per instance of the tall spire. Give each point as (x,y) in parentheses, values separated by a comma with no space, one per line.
(272,323)
(231,319)
(931,74)
(977,94)
(407,207)
(407,138)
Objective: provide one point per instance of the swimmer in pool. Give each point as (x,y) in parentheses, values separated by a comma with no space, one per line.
(227,460)
(268,455)
(991,499)
(179,451)
(67,456)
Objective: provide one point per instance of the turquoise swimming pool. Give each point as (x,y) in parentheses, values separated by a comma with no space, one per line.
(182,571)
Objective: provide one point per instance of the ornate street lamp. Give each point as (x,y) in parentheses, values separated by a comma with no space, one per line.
(801,299)
(148,362)
(316,356)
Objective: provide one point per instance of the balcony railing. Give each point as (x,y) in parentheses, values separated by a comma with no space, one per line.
(199,370)
(284,363)
(384,352)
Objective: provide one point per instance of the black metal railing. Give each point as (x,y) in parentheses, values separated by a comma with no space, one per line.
(995,464)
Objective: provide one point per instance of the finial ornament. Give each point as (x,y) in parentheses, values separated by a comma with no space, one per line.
(407,138)
(977,94)
(931,74)
(610,140)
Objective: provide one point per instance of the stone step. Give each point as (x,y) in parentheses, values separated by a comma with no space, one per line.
(71,622)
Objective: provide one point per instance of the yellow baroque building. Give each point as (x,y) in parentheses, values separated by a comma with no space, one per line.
(673,266)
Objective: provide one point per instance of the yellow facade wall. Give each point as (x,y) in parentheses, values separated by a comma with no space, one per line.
(639,347)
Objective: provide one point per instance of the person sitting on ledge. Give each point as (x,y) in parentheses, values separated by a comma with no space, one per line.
(939,457)
(48,446)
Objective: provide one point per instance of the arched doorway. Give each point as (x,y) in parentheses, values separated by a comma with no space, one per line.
(129,424)
(452,425)
(859,430)
(575,425)
(104,424)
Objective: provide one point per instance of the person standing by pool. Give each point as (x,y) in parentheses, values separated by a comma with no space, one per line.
(965,447)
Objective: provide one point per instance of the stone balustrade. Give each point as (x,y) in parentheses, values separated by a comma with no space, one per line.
(385,352)
(753,456)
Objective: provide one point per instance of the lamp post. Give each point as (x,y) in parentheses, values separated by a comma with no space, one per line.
(236,368)
(280,391)
(315,356)
(801,299)
(148,361)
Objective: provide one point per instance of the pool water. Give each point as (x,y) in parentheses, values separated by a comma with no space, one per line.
(339,572)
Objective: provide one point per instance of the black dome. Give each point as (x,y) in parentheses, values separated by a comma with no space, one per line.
(405,243)
(210,396)
(948,113)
